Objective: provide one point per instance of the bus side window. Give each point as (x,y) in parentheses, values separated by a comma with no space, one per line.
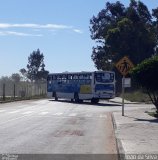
(88,81)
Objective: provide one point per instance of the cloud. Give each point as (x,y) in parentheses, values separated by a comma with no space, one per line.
(78,31)
(35,26)
(5,33)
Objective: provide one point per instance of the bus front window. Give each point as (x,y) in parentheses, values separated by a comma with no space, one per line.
(104,77)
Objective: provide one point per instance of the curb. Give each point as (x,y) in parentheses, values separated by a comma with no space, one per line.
(120,149)
(125,102)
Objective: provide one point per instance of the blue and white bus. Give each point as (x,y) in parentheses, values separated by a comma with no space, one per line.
(79,86)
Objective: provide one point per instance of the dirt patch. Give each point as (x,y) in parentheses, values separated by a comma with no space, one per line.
(69,133)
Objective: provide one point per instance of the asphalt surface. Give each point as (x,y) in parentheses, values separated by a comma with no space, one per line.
(47,128)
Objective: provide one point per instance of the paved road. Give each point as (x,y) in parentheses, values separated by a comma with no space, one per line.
(50,127)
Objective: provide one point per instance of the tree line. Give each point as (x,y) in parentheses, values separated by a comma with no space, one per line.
(120,31)
(34,71)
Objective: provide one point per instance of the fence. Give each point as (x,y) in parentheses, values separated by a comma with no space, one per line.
(22,90)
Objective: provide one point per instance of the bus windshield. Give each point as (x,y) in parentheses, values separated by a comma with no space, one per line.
(104,77)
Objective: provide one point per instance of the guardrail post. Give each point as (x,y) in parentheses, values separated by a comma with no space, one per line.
(14,92)
(4,92)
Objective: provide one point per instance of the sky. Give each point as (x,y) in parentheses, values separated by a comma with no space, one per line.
(59,28)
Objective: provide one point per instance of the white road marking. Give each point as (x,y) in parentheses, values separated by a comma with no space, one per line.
(88,115)
(13,119)
(43,113)
(58,114)
(2,111)
(72,114)
(14,112)
(28,112)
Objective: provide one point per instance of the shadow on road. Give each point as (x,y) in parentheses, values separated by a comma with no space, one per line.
(104,104)
(148,120)
(144,120)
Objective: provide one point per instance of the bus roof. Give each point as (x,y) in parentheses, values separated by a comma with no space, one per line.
(82,72)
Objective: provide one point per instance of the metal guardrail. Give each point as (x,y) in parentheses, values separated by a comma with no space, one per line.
(22,90)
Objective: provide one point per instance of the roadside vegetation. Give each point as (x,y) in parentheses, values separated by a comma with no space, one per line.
(146,76)
(120,30)
(137,96)
(12,99)
(153,114)
(35,69)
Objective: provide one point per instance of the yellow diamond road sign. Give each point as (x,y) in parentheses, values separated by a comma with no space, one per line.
(124,65)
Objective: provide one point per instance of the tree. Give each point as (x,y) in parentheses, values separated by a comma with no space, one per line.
(35,68)
(5,79)
(16,77)
(146,75)
(120,31)
(23,73)
(155,15)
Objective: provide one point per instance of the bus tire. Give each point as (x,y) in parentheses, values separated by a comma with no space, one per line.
(55,96)
(94,100)
(80,100)
(76,97)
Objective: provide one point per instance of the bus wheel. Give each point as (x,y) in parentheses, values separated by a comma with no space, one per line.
(56,98)
(76,97)
(94,100)
(80,100)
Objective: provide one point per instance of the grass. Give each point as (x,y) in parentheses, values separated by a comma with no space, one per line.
(12,99)
(140,96)
(137,96)
(153,114)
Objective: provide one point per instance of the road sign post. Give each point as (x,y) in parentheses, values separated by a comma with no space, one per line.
(124,65)
(123,94)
